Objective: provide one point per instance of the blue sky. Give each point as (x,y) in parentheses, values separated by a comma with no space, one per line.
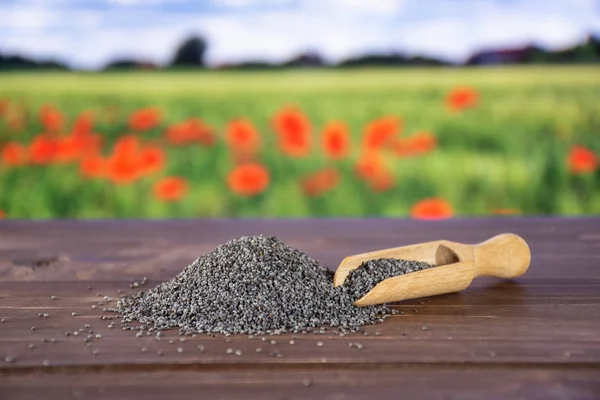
(89,33)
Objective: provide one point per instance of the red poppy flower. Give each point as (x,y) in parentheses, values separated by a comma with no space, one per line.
(13,154)
(93,166)
(242,136)
(294,131)
(582,160)
(2,214)
(432,208)
(152,159)
(172,188)
(43,149)
(248,179)
(336,140)
(190,131)
(380,132)
(123,165)
(462,98)
(419,143)
(320,182)
(51,119)
(370,164)
(84,124)
(145,119)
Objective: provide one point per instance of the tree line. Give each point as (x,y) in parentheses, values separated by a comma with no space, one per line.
(191,54)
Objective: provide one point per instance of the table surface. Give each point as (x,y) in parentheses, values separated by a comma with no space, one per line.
(537,336)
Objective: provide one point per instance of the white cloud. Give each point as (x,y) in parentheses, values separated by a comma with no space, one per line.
(379,7)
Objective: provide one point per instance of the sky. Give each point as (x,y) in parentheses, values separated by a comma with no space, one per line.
(87,34)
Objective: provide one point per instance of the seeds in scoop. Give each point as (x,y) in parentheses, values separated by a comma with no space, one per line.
(258,284)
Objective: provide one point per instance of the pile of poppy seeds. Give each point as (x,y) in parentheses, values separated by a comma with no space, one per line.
(260,285)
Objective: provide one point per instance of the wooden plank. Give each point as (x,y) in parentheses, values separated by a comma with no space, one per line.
(273,383)
(537,333)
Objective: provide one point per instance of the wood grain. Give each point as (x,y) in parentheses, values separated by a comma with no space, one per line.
(537,336)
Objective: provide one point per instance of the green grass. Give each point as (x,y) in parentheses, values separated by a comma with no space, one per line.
(509,152)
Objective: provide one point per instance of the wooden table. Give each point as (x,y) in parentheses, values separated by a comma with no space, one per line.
(535,337)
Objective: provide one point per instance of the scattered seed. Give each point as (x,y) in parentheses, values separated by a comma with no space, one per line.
(45,315)
(98,336)
(159,352)
(238,352)
(46,363)
(52,340)
(292,342)
(229,351)
(567,354)
(3,320)
(89,288)
(171,341)
(31,346)
(144,349)
(73,314)
(306,382)
(273,341)
(87,326)
(201,348)
(320,344)
(52,297)
(93,306)
(492,354)
(95,352)
(424,328)
(32,328)
(180,349)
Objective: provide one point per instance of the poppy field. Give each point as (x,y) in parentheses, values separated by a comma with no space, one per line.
(420,143)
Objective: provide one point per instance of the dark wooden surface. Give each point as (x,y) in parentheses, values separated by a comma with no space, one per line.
(535,337)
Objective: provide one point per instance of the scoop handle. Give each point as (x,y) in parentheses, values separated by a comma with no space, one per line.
(503,256)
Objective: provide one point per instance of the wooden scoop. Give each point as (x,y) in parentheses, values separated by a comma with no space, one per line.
(456,264)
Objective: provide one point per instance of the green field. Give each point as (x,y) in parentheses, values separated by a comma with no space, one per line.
(509,152)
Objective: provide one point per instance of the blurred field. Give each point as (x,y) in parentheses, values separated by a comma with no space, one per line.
(508,154)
